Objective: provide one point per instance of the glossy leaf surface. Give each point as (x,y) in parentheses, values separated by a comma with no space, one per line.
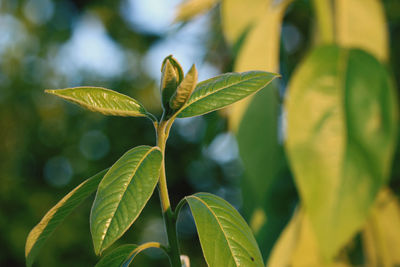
(362,24)
(341,132)
(56,215)
(123,193)
(116,257)
(101,100)
(223,90)
(225,237)
(185,89)
(169,81)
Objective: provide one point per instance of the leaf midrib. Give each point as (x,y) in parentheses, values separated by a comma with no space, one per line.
(122,196)
(80,102)
(215,91)
(222,229)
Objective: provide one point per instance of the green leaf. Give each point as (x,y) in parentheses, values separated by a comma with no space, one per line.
(184,90)
(169,82)
(223,90)
(56,215)
(362,24)
(123,193)
(102,100)
(268,190)
(116,257)
(341,133)
(191,8)
(225,237)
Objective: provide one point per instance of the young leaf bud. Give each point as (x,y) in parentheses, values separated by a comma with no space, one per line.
(184,90)
(169,82)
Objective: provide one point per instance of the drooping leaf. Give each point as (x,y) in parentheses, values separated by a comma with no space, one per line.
(297,246)
(123,193)
(223,90)
(225,237)
(341,131)
(184,90)
(116,257)
(268,191)
(381,235)
(56,215)
(237,16)
(281,254)
(191,8)
(259,22)
(101,100)
(362,24)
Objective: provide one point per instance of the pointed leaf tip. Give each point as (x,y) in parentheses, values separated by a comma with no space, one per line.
(185,89)
(99,99)
(224,90)
(232,243)
(122,195)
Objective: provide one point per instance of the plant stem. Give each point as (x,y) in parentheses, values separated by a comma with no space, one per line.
(324,14)
(168,215)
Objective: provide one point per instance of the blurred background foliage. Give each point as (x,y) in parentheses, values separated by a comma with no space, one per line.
(47,147)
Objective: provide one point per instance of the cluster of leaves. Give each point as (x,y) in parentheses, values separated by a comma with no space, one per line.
(342,119)
(123,190)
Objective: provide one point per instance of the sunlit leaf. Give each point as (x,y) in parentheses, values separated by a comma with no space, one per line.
(260,47)
(101,100)
(238,16)
(56,215)
(225,237)
(362,24)
(223,90)
(297,246)
(123,193)
(381,235)
(191,8)
(341,131)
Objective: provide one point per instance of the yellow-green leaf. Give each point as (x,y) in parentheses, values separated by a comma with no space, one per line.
(101,100)
(341,132)
(362,24)
(381,235)
(260,47)
(191,8)
(56,215)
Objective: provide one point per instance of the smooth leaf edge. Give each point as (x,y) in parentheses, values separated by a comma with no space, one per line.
(47,218)
(188,102)
(101,248)
(141,113)
(183,201)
